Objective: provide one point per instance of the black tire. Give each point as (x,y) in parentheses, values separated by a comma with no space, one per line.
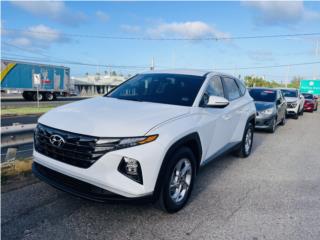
(283,121)
(272,129)
(25,95)
(28,96)
(242,151)
(296,116)
(35,95)
(302,111)
(49,96)
(165,201)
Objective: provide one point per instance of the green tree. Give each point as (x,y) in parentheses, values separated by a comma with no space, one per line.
(295,82)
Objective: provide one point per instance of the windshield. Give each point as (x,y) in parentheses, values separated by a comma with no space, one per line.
(173,89)
(307,95)
(289,93)
(263,95)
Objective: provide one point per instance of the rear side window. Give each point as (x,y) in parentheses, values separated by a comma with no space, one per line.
(242,87)
(232,90)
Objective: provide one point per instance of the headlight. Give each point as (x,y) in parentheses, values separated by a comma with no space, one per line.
(111,144)
(267,111)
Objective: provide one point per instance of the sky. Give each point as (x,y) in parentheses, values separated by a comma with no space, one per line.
(79,32)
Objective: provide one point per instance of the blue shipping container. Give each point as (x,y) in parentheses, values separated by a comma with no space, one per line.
(24,76)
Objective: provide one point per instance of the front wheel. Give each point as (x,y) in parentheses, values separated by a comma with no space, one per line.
(178,181)
(272,129)
(245,147)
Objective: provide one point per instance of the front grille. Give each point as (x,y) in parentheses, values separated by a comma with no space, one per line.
(291,105)
(77,150)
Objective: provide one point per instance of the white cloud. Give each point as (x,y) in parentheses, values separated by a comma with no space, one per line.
(55,10)
(39,36)
(102,16)
(130,28)
(281,12)
(44,33)
(21,42)
(192,30)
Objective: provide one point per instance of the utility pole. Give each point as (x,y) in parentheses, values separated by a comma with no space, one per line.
(152,64)
(317,55)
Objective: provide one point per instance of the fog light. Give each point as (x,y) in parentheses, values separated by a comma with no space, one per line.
(131,168)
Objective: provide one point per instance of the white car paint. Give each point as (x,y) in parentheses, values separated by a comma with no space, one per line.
(299,100)
(218,128)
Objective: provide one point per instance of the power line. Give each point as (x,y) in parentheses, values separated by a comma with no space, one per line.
(16,57)
(145,66)
(146,38)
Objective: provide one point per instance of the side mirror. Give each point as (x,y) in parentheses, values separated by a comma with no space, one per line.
(278,101)
(217,102)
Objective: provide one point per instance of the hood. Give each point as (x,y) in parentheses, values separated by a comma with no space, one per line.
(291,99)
(260,106)
(111,117)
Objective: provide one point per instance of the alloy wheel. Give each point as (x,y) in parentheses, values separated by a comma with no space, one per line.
(248,141)
(180,180)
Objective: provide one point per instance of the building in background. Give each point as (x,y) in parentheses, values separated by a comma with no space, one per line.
(98,84)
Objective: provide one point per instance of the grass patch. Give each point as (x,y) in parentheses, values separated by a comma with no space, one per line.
(25,110)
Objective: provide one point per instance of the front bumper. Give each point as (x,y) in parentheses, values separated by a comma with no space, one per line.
(309,108)
(104,172)
(264,122)
(77,187)
(293,111)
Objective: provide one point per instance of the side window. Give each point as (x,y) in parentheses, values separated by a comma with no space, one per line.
(232,90)
(215,87)
(241,86)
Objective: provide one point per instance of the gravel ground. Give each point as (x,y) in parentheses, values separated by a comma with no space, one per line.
(273,194)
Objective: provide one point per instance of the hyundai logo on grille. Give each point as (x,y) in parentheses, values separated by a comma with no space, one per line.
(57,140)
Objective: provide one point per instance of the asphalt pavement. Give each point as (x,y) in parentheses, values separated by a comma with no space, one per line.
(273,194)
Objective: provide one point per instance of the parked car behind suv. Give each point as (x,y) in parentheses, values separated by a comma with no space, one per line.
(310,103)
(271,108)
(145,139)
(295,102)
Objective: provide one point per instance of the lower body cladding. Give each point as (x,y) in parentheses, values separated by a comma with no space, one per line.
(126,174)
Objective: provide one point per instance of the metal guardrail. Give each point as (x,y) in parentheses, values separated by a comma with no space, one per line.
(17,135)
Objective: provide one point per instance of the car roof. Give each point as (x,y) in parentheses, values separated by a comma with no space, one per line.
(200,73)
(264,88)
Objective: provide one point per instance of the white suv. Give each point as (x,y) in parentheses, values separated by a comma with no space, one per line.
(295,102)
(147,138)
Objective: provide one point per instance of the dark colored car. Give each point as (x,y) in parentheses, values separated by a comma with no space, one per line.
(310,103)
(271,108)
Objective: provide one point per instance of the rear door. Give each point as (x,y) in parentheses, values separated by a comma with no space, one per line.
(233,118)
